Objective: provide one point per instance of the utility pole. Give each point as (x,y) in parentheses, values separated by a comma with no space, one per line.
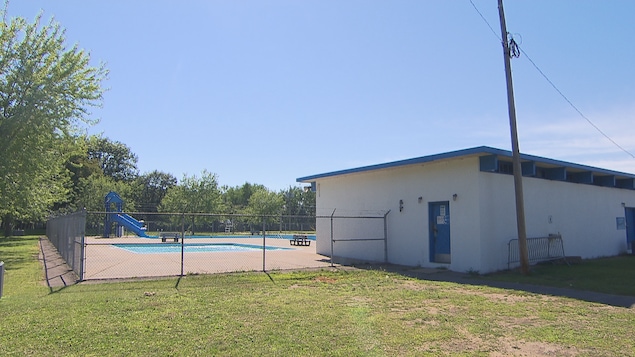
(518,176)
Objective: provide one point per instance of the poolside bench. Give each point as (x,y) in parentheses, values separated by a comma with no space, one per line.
(172,235)
(300,239)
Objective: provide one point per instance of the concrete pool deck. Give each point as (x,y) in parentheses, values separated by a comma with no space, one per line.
(105,261)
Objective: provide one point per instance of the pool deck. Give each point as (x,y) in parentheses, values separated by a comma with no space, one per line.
(105,261)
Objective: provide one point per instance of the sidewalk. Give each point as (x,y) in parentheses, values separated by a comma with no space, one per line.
(56,272)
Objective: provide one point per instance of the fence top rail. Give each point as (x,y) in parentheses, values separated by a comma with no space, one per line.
(201,214)
(551,236)
(357,239)
(361,217)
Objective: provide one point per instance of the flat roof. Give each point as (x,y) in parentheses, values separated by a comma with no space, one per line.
(476,151)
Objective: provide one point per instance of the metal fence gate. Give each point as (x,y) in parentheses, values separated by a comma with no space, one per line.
(356,237)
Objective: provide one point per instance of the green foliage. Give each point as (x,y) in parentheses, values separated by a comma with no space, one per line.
(151,188)
(193,195)
(236,198)
(115,159)
(264,204)
(45,93)
(80,168)
(95,188)
(299,202)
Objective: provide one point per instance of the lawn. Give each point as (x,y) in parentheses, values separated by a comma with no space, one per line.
(615,275)
(318,313)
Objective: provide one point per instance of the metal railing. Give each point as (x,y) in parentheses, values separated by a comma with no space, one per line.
(352,237)
(539,249)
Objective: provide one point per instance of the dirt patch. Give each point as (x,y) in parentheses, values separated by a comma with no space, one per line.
(508,347)
(324,279)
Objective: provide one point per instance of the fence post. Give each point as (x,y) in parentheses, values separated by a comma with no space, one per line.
(182,244)
(332,214)
(1,277)
(264,241)
(82,260)
(82,250)
(386,238)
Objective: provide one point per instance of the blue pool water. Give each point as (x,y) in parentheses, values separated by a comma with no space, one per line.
(148,248)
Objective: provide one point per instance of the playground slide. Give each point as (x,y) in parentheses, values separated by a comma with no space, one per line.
(130,224)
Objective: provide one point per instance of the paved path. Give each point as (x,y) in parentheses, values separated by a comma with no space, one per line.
(58,274)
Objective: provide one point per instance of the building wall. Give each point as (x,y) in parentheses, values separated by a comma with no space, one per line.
(376,192)
(585,216)
(482,218)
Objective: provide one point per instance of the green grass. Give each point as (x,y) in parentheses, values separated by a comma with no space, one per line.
(615,275)
(319,313)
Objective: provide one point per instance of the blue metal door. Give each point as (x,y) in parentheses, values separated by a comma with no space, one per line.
(439,219)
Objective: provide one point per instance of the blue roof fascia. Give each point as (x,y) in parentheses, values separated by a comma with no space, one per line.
(462,153)
(414,161)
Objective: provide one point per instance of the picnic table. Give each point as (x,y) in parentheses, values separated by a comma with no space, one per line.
(300,239)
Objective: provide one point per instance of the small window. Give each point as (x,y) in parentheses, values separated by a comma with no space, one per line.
(540,172)
(505,167)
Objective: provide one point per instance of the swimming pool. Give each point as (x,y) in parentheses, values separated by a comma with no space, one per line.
(149,248)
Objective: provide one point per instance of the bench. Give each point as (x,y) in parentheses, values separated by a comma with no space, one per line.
(300,239)
(172,235)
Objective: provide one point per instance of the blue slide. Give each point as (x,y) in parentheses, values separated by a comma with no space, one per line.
(130,224)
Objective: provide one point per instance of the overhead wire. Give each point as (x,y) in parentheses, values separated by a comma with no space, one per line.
(573,105)
(516,50)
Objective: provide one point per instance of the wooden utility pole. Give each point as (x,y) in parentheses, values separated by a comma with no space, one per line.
(518,176)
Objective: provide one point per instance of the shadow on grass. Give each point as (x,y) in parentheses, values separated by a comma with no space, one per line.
(442,275)
(12,251)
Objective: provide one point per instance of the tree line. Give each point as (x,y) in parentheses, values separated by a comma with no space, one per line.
(49,166)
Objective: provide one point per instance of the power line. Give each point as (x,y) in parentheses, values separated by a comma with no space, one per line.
(485,20)
(573,106)
(553,85)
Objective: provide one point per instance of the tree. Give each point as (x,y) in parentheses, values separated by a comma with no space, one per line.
(45,93)
(115,158)
(152,188)
(265,206)
(93,191)
(79,168)
(299,201)
(194,195)
(236,198)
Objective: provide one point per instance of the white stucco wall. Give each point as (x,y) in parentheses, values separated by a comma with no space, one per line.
(482,218)
(585,216)
(375,192)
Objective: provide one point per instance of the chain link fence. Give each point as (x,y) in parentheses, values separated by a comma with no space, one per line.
(67,234)
(116,245)
(177,244)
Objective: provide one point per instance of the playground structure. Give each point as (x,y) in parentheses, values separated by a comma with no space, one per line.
(116,217)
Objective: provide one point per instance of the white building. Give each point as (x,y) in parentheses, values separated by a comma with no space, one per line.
(457,209)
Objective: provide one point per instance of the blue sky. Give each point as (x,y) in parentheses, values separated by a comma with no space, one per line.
(269,91)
